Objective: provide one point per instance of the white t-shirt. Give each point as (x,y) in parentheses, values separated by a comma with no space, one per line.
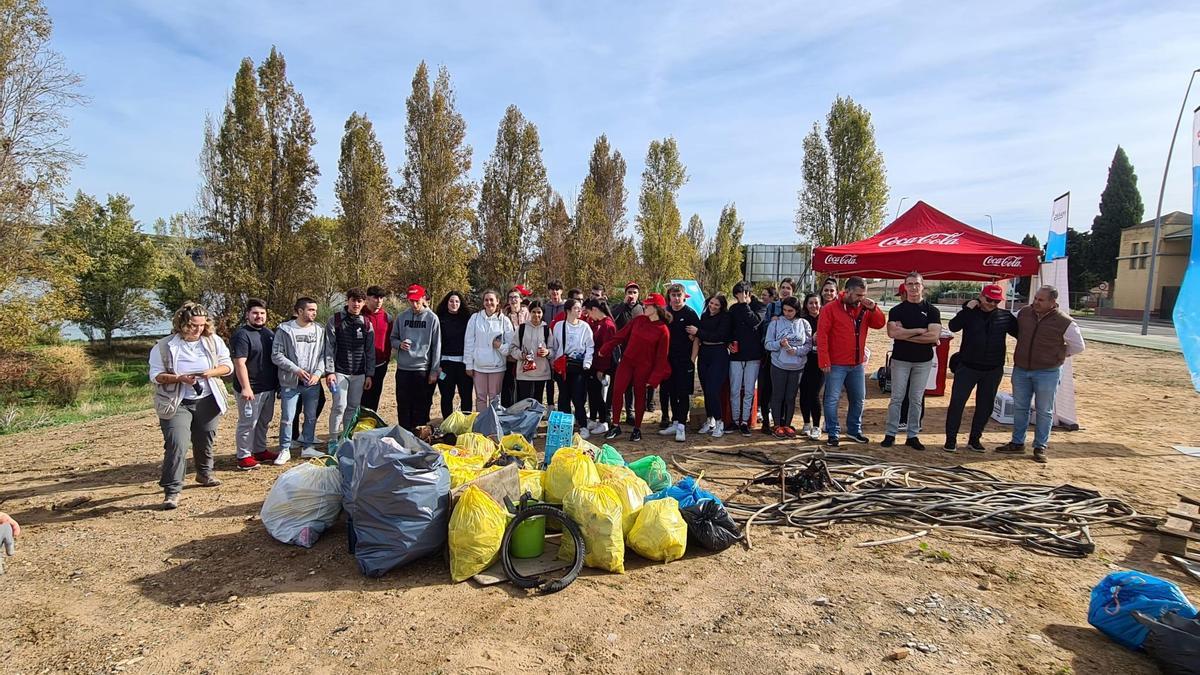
(306,347)
(193,359)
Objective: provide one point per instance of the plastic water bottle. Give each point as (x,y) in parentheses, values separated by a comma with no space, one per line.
(333,387)
(249,409)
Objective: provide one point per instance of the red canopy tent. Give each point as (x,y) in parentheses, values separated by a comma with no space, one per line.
(932,243)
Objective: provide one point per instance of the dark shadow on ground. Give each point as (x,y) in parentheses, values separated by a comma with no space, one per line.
(81,479)
(1143,556)
(1096,654)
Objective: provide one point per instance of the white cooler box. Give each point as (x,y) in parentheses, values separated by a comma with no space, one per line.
(1002,409)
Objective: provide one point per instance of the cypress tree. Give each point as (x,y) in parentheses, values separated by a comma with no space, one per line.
(1120,207)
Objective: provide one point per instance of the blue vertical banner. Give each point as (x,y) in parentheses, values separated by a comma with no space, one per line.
(1187,305)
(1056,243)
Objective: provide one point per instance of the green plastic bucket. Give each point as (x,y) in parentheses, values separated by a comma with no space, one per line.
(529,538)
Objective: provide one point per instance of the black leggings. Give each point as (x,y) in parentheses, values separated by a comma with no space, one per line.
(455,378)
(984,383)
(534,389)
(508,387)
(598,403)
(714,373)
(573,396)
(679,390)
(784,384)
(810,392)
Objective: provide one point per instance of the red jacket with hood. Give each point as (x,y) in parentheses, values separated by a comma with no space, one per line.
(645,345)
(842,332)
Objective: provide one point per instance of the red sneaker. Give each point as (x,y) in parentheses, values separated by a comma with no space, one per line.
(265,456)
(247,463)
(780,433)
(790,431)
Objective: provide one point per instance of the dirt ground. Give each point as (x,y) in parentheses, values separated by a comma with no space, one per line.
(114,584)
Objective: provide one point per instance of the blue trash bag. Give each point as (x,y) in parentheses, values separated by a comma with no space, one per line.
(398,500)
(1120,594)
(686,492)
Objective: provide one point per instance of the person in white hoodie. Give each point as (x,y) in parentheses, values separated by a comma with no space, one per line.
(572,337)
(789,339)
(485,348)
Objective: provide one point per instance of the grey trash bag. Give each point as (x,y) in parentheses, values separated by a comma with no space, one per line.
(1172,642)
(521,417)
(398,502)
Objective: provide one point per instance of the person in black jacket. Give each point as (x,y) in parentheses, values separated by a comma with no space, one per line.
(453,315)
(715,332)
(746,352)
(979,363)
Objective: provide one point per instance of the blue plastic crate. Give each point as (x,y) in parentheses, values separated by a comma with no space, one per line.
(559,431)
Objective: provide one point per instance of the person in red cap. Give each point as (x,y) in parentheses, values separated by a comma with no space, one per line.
(979,364)
(645,342)
(417,342)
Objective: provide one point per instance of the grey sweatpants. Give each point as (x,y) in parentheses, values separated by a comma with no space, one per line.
(743,376)
(348,397)
(252,428)
(194,425)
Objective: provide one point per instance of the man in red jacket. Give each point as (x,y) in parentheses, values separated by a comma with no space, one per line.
(381,322)
(842,355)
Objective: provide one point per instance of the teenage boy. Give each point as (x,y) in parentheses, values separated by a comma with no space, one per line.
(916,326)
(622,314)
(381,325)
(255,382)
(417,341)
(298,353)
(682,356)
(349,361)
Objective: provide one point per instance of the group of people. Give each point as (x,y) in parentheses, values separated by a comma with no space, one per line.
(601,359)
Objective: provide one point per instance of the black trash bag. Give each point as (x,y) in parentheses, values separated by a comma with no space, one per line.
(1173,642)
(521,417)
(710,527)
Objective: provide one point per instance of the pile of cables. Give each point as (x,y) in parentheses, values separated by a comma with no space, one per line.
(818,489)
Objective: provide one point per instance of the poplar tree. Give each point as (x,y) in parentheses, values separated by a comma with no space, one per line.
(514,179)
(1120,207)
(845,183)
(664,249)
(700,248)
(553,229)
(364,240)
(435,193)
(259,180)
(724,263)
(598,248)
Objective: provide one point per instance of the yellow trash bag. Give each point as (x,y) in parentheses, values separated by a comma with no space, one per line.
(611,471)
(597,509)
(476,528)
(462,469)
(458,423)
(578,442)
(518,446)
(569,468)
(531,482)
(660,532)
(478,445)
(632,491)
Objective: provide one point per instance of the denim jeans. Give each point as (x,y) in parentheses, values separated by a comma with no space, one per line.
(1038,385)
(908,381)
(289,398)
(854,380)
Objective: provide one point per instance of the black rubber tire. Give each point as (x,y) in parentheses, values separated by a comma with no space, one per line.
(570,528)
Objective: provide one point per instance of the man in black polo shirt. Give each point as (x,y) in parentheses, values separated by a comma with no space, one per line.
(916,326)
(255,382)
(681,354)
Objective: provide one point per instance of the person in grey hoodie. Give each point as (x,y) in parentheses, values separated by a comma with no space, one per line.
(417,342)
(349,360)
(789,340)
(299,355)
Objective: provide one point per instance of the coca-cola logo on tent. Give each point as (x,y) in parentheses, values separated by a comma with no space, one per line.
(934,239)
(846,259)
(1002,261)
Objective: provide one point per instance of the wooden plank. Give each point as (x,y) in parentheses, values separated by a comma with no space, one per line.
(1183,515)
(547,562)
(1172,545)
(1184,534)
(1189,499)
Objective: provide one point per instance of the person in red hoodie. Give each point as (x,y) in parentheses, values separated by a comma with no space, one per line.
(598,316)
(841,353)
(645,341)
(374,313)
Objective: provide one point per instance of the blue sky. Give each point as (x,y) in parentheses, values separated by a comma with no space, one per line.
(995,110)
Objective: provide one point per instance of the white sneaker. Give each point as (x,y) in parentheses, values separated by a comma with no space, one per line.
(680,434)
(806,431)
(311,453)
(601,428)
(708,425)
(903,426)
(814,434)
(670,429)
(719,430)
(584,433)
(284,457)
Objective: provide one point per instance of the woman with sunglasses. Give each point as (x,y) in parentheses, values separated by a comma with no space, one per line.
(979,363)
(186,368)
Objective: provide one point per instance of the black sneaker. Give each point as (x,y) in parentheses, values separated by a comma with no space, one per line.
(664,423)
(831,442)
(914,443)
(767,429)
(629,415)
(635,435)
(858,438)
(888,441)
(613,432)
(976,445)
(745,429)
(1011,448)
(1039,455)
(950,446)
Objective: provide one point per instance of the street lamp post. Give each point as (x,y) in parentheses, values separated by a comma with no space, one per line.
(1158,214)
(991,225)
(898,207)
